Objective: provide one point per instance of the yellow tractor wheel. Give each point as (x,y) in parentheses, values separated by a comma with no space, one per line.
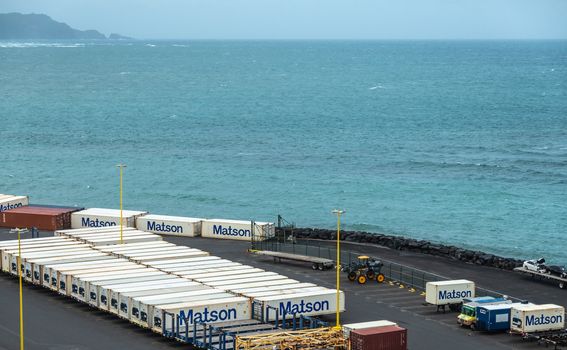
(380,278)
(361,279)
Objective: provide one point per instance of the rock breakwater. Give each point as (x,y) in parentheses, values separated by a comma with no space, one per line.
(412,245)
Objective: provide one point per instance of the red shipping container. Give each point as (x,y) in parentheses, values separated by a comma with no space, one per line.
(379,338)
(43,217)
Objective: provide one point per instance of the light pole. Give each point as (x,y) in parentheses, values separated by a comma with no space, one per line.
(338,212)
(19,231)
(121,166)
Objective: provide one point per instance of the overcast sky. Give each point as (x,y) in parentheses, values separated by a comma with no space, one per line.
(309,19)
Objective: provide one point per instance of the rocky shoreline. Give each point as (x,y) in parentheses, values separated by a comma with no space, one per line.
(412,245)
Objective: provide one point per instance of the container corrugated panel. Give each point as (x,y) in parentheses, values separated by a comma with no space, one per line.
(48,218)
(379,338)
(8,201)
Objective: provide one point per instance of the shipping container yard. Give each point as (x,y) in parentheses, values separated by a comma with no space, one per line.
(156,273)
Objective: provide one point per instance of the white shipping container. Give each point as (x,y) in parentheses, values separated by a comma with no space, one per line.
(70,282)
(277,287)
(220,270)
(52,268)
(236,229)
(448,292)
(347,328)
(267,280)
(149,258)
(33,266)
(70,233)
(255,284)
(104,289)
(242,276)
(42,267)
(98,217)
(170,225)
(209,311)
(142,311)
(7,253)
(307,304)
(119,298)
(204,263)
(144,245)
(126,240)
(528,318)
(187,260)
(84,283)
(167,250)
(8,202)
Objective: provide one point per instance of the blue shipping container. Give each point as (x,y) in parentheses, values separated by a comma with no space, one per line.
(493,318)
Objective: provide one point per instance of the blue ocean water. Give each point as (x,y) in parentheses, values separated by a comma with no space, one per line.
(456,142)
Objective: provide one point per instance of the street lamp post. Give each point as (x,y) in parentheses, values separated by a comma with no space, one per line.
(19,231)
(338,212)
(121,166)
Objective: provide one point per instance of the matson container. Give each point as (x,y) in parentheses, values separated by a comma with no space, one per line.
(127,240)
(270,288)
(125,299)
(237,229)
(32,267)
(208,311)
(347,328)
(254,284)
(307,304)
(143,309)
(84,283)
(51,268)
(537,318)
(8,201)
(43,217)
(49,274)
(380,338)
(104,289)
(99,217)
(203,259)
(170,225)
(448,292)
(42,267)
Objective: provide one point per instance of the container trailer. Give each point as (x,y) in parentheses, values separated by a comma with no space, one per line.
(527,319)
(104,289)
(449,293)
(69,281)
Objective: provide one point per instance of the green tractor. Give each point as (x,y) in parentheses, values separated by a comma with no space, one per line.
(365,269)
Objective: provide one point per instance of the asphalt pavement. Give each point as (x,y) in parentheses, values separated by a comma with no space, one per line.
(54,322)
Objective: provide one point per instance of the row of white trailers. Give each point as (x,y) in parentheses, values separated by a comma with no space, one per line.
(146,278)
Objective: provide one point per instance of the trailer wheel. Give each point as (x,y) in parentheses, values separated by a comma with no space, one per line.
(320,267)
(454,307)
(562,285)
(380,278)
(352,276)
(314,266)
(361,279)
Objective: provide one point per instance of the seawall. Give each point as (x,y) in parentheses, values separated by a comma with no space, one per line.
(412,245)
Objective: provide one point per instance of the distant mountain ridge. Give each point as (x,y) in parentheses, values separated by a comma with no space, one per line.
(39,26)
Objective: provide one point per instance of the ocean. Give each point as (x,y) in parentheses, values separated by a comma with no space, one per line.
(458,142)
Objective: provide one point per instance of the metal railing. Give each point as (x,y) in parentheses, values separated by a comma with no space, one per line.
(405,275)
